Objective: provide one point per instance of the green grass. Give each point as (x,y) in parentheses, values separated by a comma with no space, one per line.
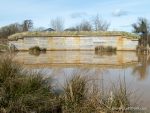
(77,33)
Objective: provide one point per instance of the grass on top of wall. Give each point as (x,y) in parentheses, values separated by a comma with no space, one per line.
(76,33)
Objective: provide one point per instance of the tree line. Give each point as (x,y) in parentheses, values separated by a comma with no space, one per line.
(141,27)
(15,28)
(57,24)
(97,24)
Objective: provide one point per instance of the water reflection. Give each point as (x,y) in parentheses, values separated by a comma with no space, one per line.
(88,59)
(103,66)
(105,78)
(141,69)
(105,53)
(78,58)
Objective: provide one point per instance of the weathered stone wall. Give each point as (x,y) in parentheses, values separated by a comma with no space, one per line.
(75,43)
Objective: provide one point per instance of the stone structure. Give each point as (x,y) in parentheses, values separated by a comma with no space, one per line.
(74,42)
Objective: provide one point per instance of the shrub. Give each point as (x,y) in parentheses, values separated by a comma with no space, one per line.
(105,49)
(43,49)
(36,50)
(24,92)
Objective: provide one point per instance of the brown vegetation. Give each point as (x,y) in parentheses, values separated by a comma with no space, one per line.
(36,50)
(105,49)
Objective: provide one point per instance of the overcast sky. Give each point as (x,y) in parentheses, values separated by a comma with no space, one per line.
(120,13)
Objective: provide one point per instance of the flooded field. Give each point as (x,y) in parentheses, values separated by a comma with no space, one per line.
(133,68)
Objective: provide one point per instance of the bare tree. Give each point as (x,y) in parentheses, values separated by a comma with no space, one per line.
(9,30)
(39,29)
(84,26)
(71,29)
(99,24)
(27,25)
(57,24)
(15,28)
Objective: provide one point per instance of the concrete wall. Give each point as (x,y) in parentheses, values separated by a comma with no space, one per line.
(75,43)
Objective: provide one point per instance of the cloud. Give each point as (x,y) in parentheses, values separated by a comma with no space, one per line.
(119,13)
(78,15)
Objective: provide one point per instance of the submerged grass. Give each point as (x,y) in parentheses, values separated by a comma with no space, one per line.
(23,91)
(105,49)
(36,50)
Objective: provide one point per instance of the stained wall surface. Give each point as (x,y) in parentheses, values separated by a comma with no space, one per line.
(75,43)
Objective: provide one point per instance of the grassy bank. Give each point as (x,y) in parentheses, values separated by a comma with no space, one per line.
(25,91)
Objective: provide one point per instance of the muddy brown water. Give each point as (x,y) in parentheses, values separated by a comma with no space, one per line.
(109,67)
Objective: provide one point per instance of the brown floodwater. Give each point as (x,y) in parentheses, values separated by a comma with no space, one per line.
(109,67)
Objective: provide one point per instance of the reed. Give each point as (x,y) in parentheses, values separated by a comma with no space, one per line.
(81,95)
(24,91)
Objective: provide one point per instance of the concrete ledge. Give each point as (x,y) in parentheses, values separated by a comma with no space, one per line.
(73,34)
